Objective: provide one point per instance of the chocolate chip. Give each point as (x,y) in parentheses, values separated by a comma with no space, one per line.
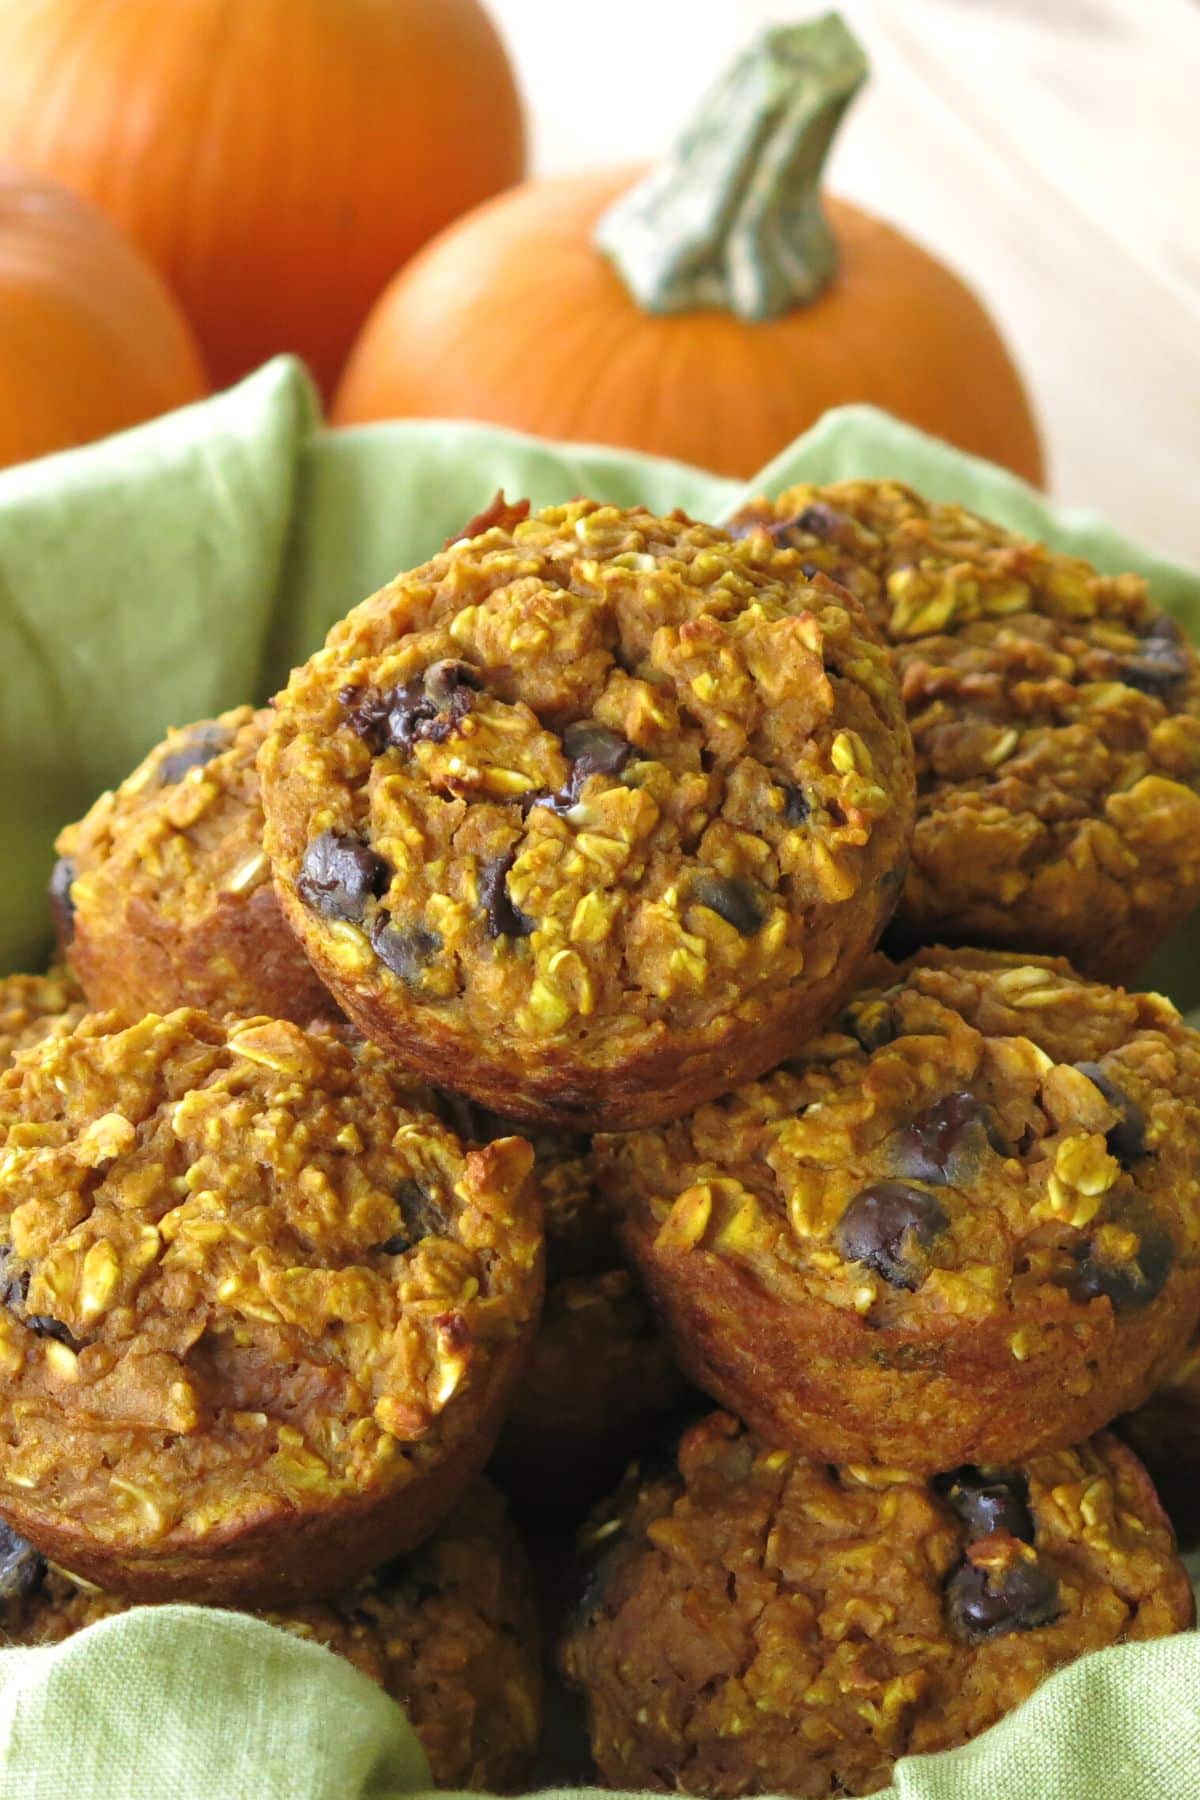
(422,1217)
(819,520)
(339,874)
(796,809)
(405,953)
(62,907)
(1126,1139)
(872,1023)
(499,511)
(1130,1284)
(13,1288)
(1164,661)
(22,1568)
(427,709)
(889,1226)
(985,1603)
(593,749)
(987,1503)
(504,918)
(944,1143)
(42,1325)
(201,744)
(733,900)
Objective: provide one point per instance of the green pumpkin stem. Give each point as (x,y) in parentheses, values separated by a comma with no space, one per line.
(732,218)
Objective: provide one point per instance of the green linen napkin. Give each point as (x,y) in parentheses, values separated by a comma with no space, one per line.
(184,567)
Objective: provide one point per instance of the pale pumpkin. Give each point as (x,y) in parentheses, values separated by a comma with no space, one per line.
(710,311)
(90,338)
(277,159)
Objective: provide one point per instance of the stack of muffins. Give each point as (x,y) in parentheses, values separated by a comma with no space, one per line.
(591,825)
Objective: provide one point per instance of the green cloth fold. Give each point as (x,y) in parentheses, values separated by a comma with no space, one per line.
(182,568)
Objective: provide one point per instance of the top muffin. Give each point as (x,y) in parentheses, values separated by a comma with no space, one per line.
(593,814)
(1055,714)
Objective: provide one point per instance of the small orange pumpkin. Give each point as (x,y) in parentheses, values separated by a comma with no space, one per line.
(277,159)
(90,338)
(710,311)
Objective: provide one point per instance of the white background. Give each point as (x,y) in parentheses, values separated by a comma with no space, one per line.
(1049,150)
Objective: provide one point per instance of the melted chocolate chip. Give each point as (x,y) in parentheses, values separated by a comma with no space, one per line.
(872,1023)
(989,1603)
(732,900)
(1163,663)
(428,709)
(889,1226)
(796,809)
(405,953)
(202,744)
(592,749)
(339,874)
(1126,1139)
(818,520)
(504,918)
(62,907)
(22,1568)
(42,1325)
(13,1288)
(1128,1285)
(944,1143)
(987,1503)
(421,1216)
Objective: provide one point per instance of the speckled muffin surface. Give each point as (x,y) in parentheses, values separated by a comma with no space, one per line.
(261,1308)
(757,1624)
(34,1006)
(450,1631)
(162,893)
(1055,714)
(591,814)
(961,1226)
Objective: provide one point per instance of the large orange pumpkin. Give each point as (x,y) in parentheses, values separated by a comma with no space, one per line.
(90,338)
(278,159)
(709,312)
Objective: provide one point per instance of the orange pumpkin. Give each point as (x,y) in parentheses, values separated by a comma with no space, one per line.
(90,338)
(710,312)
(277,159)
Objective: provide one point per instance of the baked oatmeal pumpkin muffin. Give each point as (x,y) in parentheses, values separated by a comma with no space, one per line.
(34,1006)
(261,1309)
(759,1624)
(961,1226)
(450,1631)
(599,1381)
(162,894)
(1055,713)
(593,814)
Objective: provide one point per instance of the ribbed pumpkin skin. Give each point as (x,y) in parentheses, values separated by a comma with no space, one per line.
(277,159)
(513,317)
(90,338)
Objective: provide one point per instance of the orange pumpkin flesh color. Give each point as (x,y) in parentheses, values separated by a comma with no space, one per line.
(277,159)
(515,317)
(90,339)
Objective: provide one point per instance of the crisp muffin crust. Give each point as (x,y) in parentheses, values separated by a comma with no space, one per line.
(592,814)
(760,1624)
(261,1307)
(162,893)
(32,1007)
(450,1631)
(1055,714)
(960,1226)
